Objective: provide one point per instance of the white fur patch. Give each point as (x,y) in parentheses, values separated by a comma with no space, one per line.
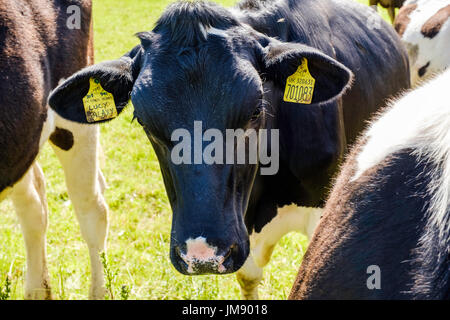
(203,30)
(207,30)
(421,121)
(218,32)
(48,127)
(199,251)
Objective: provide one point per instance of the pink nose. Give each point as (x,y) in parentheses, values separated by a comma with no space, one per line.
(199,252)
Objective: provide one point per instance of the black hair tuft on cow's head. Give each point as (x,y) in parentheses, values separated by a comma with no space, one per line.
(183,21)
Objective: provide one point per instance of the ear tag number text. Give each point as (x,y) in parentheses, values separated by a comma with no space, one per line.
(300,85)
(98,103)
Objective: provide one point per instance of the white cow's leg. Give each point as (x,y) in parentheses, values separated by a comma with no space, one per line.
(289,218)
(85,184)
(30,203)
(249,277)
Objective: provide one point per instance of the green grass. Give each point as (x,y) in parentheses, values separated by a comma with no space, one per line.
(140,217)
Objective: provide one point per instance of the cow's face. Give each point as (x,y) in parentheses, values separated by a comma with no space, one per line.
(185,95)
(191,81)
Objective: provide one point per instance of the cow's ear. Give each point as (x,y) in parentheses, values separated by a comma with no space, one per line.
(303,73)
(97,93)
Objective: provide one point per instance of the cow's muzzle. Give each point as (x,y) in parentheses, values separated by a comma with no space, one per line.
(199,256)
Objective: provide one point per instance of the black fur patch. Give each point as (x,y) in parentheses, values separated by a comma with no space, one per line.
(182,20)
(62,138)
(380,219)
(36,51)
(423,70)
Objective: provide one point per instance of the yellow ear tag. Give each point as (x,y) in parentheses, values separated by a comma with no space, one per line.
(300,85)
(98,103)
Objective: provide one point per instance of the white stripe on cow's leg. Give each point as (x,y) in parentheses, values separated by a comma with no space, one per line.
(30,203)
(84,184)
(249,277)
(289,218)
(102,181)
(101,161)
(48,127)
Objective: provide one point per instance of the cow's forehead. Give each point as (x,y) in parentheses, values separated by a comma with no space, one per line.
(212,54)
(208,83)
(213,68)
(211,43)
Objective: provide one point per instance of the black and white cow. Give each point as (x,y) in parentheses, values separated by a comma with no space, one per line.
(388,215)
(424,26)
(37,50)
(227,69)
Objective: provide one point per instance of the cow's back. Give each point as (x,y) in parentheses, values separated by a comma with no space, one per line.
(370,47)
(75,47)
(314,138)
(37,49)
(353,34)
(388,209)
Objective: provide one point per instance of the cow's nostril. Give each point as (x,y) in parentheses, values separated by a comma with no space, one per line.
(232,250)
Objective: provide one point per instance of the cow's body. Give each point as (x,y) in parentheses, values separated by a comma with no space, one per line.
(311,149)
(390,208)
(37,50)
(424,26)
(205,63)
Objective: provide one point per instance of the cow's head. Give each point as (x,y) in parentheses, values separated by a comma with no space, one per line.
(201,69)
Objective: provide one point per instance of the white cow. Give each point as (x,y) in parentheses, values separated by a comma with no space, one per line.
(424,26)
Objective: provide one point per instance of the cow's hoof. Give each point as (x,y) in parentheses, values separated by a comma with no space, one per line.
(39,294)
(249,287)
(98,293)
(252,295)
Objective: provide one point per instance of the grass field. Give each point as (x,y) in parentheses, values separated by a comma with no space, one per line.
(140,216)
